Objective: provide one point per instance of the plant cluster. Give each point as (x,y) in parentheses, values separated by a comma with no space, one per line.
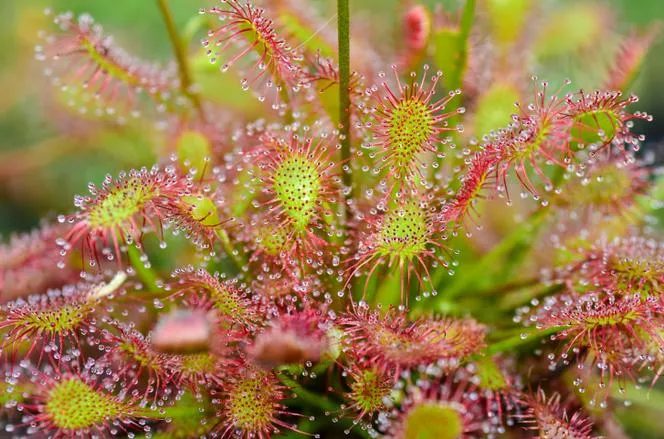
(330,269)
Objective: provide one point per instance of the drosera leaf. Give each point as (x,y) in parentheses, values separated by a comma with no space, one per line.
(629,58)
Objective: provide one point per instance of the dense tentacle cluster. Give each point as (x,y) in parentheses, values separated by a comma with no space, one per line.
(68,402)
(551,418)
(55,321)
(30,263)
(81,57)
(393,343)
(253,405)
(135,358)
(273,70)
(329,282)
(431,403)
(198,286)
(410,122)
(615,335)
(407,238)
(631,264)
(121,211)
(564,132)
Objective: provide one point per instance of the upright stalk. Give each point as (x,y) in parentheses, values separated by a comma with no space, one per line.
(147,275)
(343,43)
(456,77)
(343,32)
(528,336)
(467,18)
(180,56)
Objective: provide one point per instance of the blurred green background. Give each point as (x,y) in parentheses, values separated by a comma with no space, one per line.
(42,165)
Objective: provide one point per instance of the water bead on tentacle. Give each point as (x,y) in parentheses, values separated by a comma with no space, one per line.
(613,334)
(56,319)
(551,418)
(406,236)
(392,343)
(30,263)
(121,211)
(246,32)
(410,122)
(251,405)
(437,410)
(71,403)
(80,54)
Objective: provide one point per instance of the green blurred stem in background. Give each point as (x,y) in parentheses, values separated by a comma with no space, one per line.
(146,274)
(528,336)
(343,29)
(181,56)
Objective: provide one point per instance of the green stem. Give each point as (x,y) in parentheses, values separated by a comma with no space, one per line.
(147,275)
(508,287)
(230,250)
(496,257)
(457,75)
(314,400)
(389,288)
(343,42)
(464,34)
(343,29)
(514,299)
(310,398)
(180,56)
(519,340)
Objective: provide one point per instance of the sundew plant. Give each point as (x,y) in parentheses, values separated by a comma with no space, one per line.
(346,233)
